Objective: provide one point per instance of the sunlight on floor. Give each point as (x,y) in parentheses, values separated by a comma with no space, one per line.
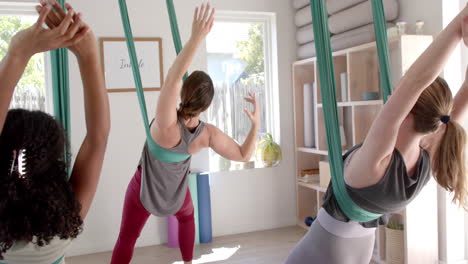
(218,254)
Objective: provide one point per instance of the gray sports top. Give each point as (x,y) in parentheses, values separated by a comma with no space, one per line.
(391,194)
(164,185)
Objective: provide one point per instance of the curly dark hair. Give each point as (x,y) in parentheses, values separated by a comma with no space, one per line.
(37,204)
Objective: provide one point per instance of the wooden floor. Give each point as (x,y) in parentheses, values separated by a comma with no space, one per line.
(262,247)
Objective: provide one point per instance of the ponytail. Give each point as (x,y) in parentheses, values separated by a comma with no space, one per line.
(187,112)
(449,166)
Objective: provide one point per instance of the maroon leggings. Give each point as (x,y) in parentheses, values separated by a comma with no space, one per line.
(134,218)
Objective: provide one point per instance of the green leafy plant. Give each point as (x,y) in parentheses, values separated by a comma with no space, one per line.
(268,152)
(252,53)
(33,76)
(395,226)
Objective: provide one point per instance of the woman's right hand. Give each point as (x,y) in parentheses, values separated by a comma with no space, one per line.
(203,20)
(255,115)
(36,38)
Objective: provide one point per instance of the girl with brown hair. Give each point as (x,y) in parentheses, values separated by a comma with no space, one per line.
(161,188)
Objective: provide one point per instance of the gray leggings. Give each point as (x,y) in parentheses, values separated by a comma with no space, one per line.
(322,247)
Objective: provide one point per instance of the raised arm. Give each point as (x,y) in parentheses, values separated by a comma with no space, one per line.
(166,114)
(23,46)
(460,103)
(227,147)
(418,77)
(88,164)
(460,106)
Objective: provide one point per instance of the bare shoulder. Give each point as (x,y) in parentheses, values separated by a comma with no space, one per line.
(203,140)
(211,130)
(362,171)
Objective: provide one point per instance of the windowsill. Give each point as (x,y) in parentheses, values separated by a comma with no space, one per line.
(242,166)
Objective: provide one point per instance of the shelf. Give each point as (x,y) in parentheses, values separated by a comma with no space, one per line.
(356,103)
(313,151)
(305,61)
(314,186)
(317,151)
(377,260)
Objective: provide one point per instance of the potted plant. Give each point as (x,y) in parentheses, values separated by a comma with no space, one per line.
(268,152)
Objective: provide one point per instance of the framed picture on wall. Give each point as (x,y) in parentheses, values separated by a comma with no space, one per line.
(118,69)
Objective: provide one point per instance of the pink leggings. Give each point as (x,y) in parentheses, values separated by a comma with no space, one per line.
(135,216)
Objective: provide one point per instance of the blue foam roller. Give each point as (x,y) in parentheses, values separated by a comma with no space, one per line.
(204,208)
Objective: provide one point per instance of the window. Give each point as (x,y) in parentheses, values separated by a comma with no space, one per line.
(242,59)
(31,90)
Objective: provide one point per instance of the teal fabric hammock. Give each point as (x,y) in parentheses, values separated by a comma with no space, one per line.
(160,153)
(330,109)
(61,89)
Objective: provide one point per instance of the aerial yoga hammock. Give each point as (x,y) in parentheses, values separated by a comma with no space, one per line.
(332,238)
(159,153)
(61,88)
(330,110)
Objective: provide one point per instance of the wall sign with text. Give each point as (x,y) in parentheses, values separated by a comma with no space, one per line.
(118,69)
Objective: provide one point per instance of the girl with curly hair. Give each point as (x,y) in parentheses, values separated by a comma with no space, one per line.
(40,210)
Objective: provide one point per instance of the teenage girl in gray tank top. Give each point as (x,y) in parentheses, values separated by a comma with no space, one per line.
(161,188)
(416,134)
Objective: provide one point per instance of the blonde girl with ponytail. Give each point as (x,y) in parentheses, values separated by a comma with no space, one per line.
(416,136)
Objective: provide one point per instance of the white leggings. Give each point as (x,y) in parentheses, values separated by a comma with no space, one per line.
(334,242)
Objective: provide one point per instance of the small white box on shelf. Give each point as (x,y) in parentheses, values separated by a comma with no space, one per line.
(325,177)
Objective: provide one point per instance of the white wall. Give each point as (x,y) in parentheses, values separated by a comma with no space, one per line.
(241,201)
(427,10)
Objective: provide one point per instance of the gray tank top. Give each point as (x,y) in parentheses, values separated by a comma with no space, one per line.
(164,185)
(391,194)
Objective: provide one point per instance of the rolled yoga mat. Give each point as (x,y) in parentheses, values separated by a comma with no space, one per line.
(360,15)
(305,34)
(172,232)
(298,4)
(341,41)
(350,18)
(204,206)
(309,136)
(334,6)
(194,192)
(303,16)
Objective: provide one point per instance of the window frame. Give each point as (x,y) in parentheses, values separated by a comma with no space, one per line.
(27,8)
